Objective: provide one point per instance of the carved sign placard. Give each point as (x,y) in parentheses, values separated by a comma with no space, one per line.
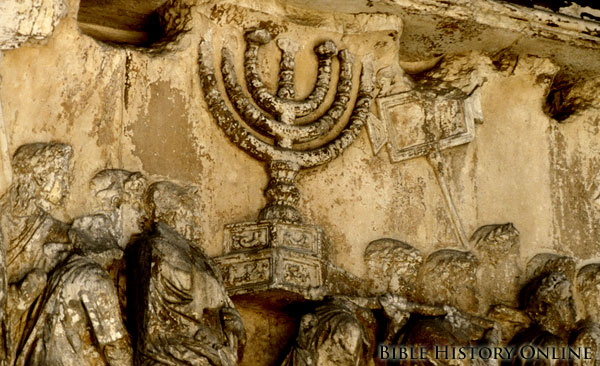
(413,123)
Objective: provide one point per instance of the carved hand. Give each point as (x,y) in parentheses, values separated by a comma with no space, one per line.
(234,330)
(25,292)
(119,352)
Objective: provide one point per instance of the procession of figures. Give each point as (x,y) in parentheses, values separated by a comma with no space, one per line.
(128,284)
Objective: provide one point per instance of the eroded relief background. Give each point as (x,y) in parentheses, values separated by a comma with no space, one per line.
(127,95)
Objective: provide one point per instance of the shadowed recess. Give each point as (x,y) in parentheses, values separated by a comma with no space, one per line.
(136,22)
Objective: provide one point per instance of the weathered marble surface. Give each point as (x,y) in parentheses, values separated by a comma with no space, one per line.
(488,113)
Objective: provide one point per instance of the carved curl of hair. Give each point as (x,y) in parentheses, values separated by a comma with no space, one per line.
(38,160)
(165,199)
(588,279)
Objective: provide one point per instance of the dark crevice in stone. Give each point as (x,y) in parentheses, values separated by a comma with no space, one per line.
(583,9)
(148,24)
(562,102)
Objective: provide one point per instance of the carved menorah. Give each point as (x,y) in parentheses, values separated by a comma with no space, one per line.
(276,116)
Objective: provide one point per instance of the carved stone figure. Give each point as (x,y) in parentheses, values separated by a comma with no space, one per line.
(120,195)
(448,280)
(334,334)
(545,263)
(33,242)
(588,330)
(497,248)
(449,277)
(392,266)
(548,301)
(41,181)
(179,305)
(77,321)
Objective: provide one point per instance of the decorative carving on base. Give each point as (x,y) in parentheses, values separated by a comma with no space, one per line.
(272,255)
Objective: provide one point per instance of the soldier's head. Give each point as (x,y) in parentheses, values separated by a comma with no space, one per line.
(545,263)
(548,300)
(41,174)
(392,266)
(449,277)
(496,240)
(588,288)
(176,206)
(498,250)
(120,194)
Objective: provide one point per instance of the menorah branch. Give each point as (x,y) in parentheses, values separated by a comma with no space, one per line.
(286,69)
(283,160)
(283,131)
(275,105)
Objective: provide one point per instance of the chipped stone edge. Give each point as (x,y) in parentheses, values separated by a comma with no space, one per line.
(499,14)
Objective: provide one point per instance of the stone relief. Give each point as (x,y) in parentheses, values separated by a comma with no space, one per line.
(284,161)
(70,298)
(130,284)
(336,333)
(393,266)
(33,242)
(497,248)
(278,251)
(587,332)
(77,320)
(182,312)
(548,301)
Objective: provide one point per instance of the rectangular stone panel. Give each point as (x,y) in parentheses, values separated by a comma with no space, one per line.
(415,123)
(270,269)
(242,270)
(250,236)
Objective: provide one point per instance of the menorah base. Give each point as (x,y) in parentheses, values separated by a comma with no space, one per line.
(281,258)
(292,273)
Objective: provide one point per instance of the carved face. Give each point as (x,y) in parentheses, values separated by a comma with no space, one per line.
(392,266)
(55,188)
(41,173)
(449,277)
(551,303)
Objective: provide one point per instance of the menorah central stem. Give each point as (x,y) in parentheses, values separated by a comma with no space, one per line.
(281,193)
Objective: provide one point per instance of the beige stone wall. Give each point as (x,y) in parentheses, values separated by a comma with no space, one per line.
(125,107)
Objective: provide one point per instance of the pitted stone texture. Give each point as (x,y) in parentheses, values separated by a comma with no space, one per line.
(393,267)
(33,242)
(449,277)
(498,249)
(181,310)
(545,263)
(338,332)
(120,195)
(21,21)
(588,331)
(282,158)
(548,301)
(271,269)
(78,318)
(177,302)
